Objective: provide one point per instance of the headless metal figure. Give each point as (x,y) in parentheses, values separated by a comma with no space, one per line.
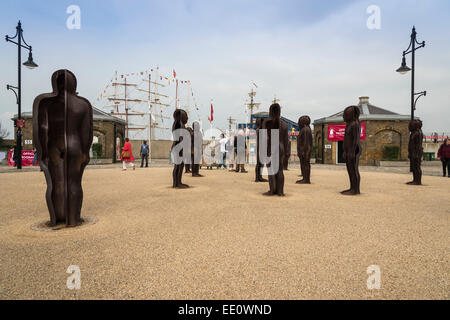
(415,151)
(180,119)
(304,148)
(352,148)
(62,133)
(276,181)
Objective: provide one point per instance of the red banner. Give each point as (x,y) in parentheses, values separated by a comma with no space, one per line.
(27,158)
(336,132)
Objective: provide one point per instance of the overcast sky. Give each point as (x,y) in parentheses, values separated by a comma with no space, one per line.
(317,57)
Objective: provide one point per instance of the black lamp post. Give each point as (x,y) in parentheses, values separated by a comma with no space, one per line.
(20,42)
(413,46)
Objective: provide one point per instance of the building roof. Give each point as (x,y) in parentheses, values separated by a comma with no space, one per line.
(266,115)
(368,112)
(97,114)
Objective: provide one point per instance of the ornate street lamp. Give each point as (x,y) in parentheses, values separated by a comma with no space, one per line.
(413,46)
(20,42)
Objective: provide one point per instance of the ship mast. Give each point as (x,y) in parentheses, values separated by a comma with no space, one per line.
(252,105)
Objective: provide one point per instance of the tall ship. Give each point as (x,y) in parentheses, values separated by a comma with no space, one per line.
(146,100)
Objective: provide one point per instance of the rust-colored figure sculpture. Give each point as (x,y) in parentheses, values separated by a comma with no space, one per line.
(180,118)
(62,133)
(304,148)
(197,149)
(276,179)
(415,150)
(352,148)
(259,165)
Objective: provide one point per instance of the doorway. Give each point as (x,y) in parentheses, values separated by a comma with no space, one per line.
(340,152)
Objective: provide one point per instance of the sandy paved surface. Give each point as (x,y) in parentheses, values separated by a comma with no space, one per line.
(223,240)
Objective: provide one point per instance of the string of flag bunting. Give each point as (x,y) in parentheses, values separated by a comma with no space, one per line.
(142,73)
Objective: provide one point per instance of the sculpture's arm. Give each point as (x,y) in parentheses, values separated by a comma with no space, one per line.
(308,143)
(90,129)
(353,133)
(299,152)
(40,129)
(416,145)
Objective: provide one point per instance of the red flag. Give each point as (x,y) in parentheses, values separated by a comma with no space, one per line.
(211,119)
(174,73)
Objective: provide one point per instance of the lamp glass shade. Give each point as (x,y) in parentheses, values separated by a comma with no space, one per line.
(403,68)
(30,64)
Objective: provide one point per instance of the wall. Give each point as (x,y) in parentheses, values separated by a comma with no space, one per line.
(432,147)
(160,148)
(104,130)
(384,133)
(379,134)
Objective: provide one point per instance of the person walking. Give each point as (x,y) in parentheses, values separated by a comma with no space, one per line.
(144,154)
(444,155)
(223,151)
(127,155)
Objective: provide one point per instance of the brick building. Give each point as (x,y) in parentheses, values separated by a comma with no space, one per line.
(107,129)
(380,128)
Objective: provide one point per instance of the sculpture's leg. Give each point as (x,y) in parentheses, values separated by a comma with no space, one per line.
(419,171)
(280,182)
(180,175)
(307,169)
(415,167)
(357,181)
(175,175)
(56,170)
(258,171)
(352,177)
(302,169)
(75,192)
(272,186)
(196,171)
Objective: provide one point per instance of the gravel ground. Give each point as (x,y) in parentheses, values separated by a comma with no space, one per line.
(222,239)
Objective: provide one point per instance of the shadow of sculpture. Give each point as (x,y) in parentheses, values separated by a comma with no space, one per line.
(62,134)
(304,148)
(352,148)
(415,151)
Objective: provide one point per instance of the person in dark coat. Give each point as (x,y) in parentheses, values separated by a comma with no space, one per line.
(444,155)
